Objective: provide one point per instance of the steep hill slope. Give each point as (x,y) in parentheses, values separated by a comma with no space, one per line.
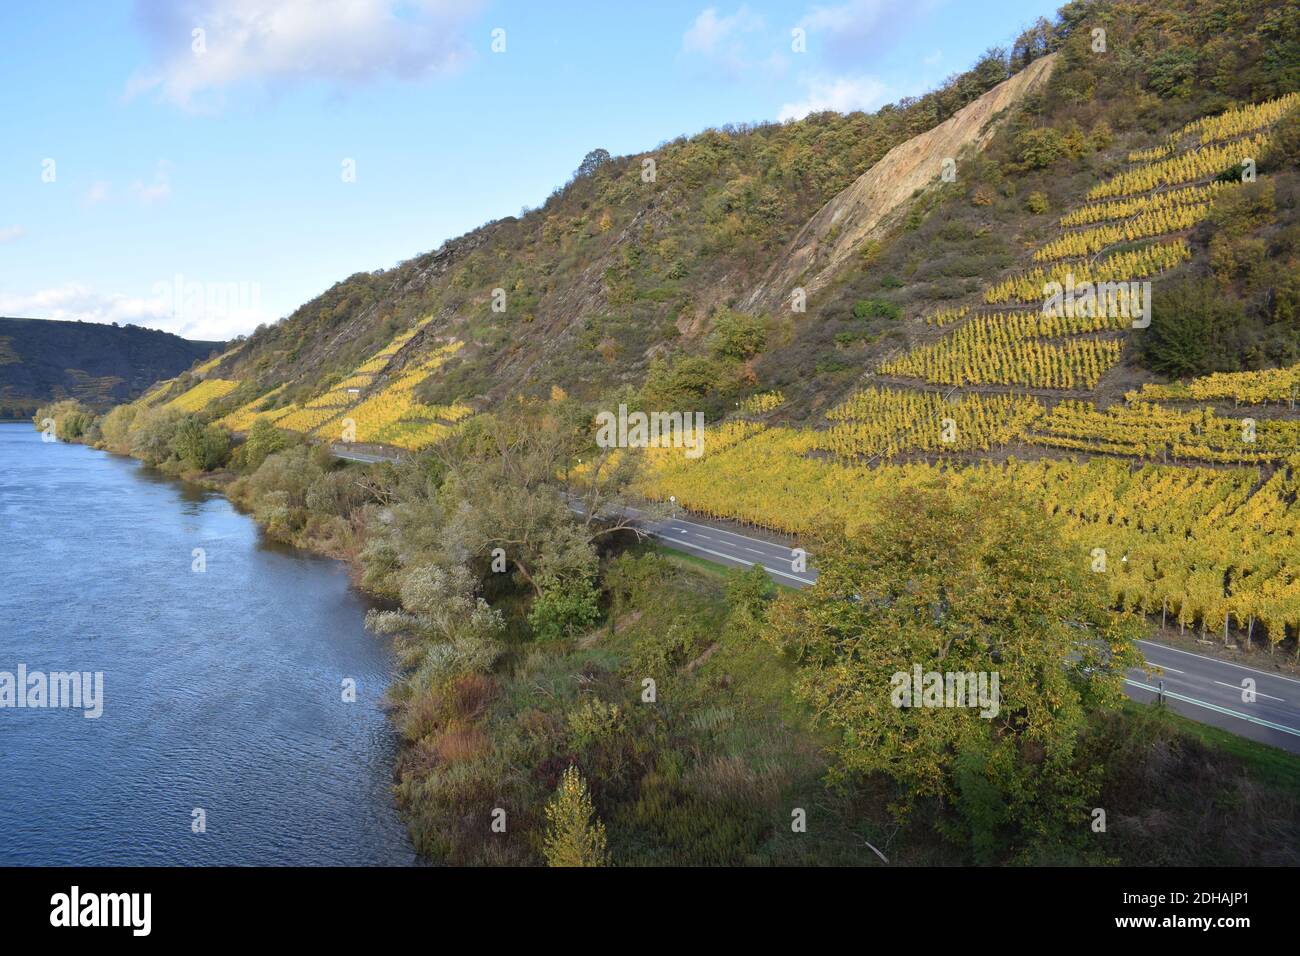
(866,209)
(637,257)
(100,365)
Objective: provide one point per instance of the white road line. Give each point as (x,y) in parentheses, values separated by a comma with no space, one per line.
(1166,647)
(1171,670)
(719,554)
(1257,693)
(1216,708)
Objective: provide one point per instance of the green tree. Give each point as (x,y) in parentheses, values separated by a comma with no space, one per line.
(263,440)
(567,606)
(1195,329)
(152,433)
(1039,147)
(574,834)
(202,447)
(957,583)
(738,336)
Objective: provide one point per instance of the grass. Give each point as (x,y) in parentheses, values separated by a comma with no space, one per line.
(711,570)
(1269,765)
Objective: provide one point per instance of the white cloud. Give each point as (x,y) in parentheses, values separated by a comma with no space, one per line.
(76,301)
(11,233)
(284,41)
(709,31)
(933,58)
(724,43)
(848,31)
(96,194)
(842,94)
(158,190)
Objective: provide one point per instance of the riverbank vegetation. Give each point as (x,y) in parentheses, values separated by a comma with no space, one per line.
(570,695)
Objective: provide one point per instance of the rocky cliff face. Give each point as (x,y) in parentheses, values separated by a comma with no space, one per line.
(867,208)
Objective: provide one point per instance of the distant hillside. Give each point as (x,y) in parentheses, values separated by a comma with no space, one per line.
(100,365)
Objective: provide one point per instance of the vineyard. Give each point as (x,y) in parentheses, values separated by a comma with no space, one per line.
(242,418)
(1126,208)
(1243,388)
(1224,126)
(1182,168)
(1190,514)
(1123,266)
(762,402)
(1144,225)
(391,415)
(1145,430)
(1005,349)
(202,394)
(885,422)
(942,317)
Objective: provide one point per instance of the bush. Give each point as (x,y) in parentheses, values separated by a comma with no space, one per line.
(737,336)
(201,447)
(1195,330)
(154,430)
(263,440)
(564,609)
(1039,148)
(876,308)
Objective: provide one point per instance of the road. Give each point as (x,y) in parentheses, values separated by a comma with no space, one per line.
(1202,688)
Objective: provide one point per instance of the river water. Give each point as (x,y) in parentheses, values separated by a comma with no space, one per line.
(223,690)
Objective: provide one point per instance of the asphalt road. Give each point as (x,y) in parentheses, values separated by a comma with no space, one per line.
(1202,688)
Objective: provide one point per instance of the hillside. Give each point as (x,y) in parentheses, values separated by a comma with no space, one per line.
(1012,368)
(98,365)
(667,279)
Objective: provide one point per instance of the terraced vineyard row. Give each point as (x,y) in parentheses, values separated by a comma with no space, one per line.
(1001,349)
(1125,266)
(1147,430)
(886,422)
(1247,388)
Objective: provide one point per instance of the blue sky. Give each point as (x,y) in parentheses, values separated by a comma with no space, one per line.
(218,158)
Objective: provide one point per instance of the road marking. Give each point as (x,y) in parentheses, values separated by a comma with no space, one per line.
(1171,670)
(1166,647)
(1215,707)
(1257,693)
(747,563)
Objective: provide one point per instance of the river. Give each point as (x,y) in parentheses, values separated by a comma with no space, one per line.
(223,689)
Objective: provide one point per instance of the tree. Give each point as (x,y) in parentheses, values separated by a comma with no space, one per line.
(946,582)
(738,336)
(1039,147)
(513,482)
(263,440)
(1195,329)
(592,162)
(152,433)
(201,447)
(574,834)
